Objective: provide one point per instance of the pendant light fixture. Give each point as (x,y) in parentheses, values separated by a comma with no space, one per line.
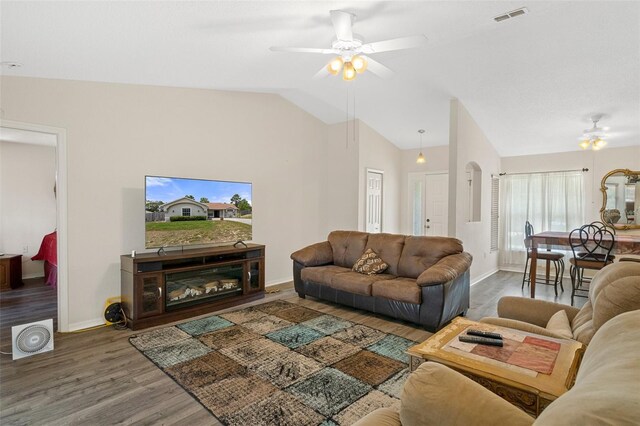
(421,159)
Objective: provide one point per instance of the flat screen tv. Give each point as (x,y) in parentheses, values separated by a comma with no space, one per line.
(185,212)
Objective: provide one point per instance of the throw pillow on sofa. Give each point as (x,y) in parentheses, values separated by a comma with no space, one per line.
(559,324)
(370,263)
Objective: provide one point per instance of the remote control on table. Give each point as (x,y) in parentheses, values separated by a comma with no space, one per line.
(480,340)
(481,333)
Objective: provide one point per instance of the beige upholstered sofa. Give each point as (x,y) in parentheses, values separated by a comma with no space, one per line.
(427,281)
(614,289)
(606,391)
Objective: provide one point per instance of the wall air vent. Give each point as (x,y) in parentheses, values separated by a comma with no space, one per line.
(512,14)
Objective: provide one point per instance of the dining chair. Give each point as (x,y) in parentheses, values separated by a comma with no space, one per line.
(591,246)
(613,231)
(550,256)
(603,225)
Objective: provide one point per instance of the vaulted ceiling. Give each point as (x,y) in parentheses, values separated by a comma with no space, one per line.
(530,82)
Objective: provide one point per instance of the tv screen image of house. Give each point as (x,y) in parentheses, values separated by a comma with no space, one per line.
(184,212)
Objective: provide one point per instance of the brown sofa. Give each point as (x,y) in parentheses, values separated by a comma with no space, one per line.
(427,281)
(605,391)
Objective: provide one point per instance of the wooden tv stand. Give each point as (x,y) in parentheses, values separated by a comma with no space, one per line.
(161,288)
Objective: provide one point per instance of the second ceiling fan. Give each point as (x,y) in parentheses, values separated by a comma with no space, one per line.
(352,53)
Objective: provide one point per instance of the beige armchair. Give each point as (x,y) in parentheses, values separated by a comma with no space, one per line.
(614,289)
(605,391)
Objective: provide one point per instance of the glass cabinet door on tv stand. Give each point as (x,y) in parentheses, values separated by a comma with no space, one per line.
(255,274)
(149,294)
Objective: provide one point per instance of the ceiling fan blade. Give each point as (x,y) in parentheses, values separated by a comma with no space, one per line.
(324,72)
(378,69)
(304,50)
(342,24)
(401,43)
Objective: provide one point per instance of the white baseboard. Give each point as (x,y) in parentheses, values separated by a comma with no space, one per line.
(541,270)
(30,276)
(86,324)
(278,281)
(483,276)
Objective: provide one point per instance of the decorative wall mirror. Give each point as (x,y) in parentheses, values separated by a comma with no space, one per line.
(621,199)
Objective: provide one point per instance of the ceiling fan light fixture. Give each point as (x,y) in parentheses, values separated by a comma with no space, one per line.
(359,64)
(594,137)
(349,72)
(335,65)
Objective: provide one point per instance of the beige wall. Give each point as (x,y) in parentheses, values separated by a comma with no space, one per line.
(468,143)
(117,133)
(599,164)
(378,153)
(437,161)
(341,201)
(27,202)
(352,148)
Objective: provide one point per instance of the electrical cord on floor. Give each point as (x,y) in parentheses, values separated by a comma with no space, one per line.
(6,353)
(122,325)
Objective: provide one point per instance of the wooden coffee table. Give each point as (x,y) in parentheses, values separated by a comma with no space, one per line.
(530,390)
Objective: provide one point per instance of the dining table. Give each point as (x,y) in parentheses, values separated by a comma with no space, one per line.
(624,244)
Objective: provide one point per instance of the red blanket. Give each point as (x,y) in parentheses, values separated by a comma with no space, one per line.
(49,253)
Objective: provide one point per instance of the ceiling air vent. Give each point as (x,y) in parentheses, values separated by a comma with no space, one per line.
(512,14)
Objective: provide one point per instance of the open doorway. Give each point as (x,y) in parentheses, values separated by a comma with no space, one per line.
(33,223)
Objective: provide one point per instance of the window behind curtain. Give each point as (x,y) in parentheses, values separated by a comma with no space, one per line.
(495,197)
(550,201)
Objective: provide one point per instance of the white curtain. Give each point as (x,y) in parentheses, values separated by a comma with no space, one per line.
(550,201)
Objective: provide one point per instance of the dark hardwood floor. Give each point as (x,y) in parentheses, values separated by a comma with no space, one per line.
(97,378)
(34,301)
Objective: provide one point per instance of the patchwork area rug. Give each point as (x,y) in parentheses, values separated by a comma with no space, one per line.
(281,364)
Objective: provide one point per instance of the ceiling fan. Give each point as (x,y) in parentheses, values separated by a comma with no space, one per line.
(595,136)
(352,52)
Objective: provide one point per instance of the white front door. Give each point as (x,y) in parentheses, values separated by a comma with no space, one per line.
(436,204)
(428,209)
(374,202)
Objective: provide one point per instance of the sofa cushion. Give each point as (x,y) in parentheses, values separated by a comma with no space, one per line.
(386,416)
(314,255)
(608,275)
(559,324)
(582,317)
(437,395)
(606,388)
(370,263)
(400,289)
(622,295)
(322,274)
(420,253)
(347,246)
(389,248)
(614,289)
(446,269)
(353,282)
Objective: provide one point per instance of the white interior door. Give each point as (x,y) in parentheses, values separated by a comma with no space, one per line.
(374,202)
(429,195)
